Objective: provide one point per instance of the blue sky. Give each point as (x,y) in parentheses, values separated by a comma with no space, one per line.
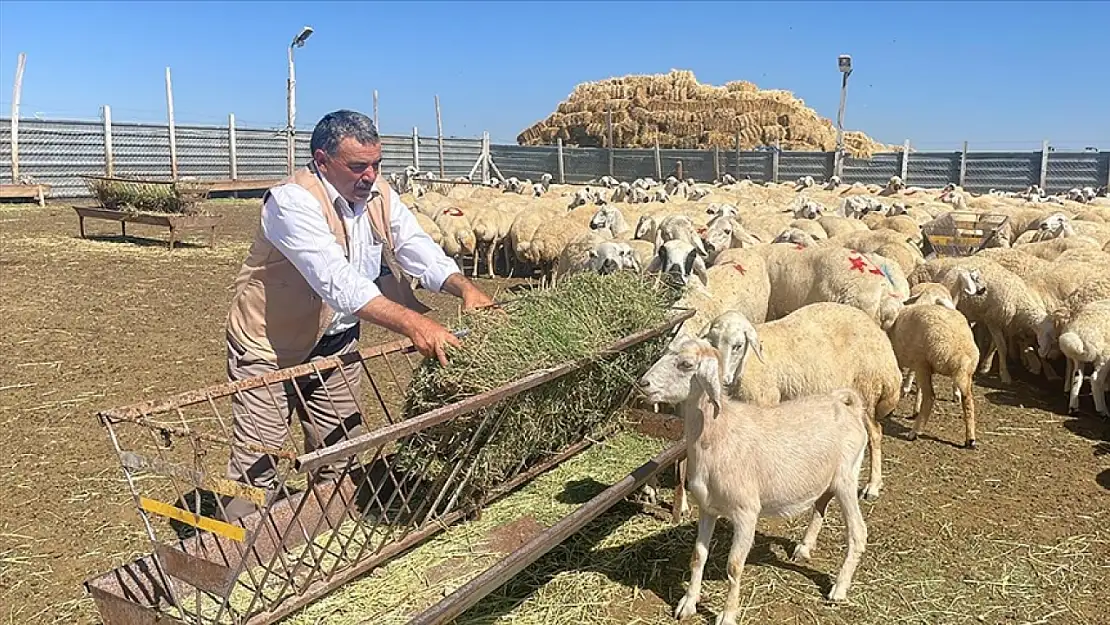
(1003,75)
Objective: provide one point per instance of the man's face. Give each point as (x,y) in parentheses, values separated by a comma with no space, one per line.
(353,169)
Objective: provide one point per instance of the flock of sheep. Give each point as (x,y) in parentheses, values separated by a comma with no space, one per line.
(829,288)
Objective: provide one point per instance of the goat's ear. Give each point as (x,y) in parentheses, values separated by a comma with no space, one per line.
(709,376)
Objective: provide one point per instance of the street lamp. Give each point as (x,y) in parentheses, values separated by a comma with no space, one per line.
(291,98)
(844,61)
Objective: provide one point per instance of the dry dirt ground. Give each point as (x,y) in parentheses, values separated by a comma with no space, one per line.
(1016,532)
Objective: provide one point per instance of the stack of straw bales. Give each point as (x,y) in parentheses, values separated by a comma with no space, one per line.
(679,112)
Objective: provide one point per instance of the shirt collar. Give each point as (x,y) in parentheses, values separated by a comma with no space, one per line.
(338,201)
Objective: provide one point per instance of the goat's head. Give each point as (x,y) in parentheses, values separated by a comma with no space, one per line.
(735,338)
(689,367)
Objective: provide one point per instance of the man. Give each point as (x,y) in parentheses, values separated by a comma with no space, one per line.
(314,271)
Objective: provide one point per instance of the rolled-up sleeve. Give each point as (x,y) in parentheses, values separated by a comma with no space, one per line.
(416,252)
(292,222)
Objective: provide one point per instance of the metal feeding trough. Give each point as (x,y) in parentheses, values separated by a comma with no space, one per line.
(962,233)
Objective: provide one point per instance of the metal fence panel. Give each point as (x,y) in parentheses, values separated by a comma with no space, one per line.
(751,165)
(585,164)
(875,170)
(794,165)
(57,153)
(459,155)
(1006,171)
(202,152)
(526,162)
(396,154)
(632,163)
(260,153)
(696,164)
(1074,169)
(933,169)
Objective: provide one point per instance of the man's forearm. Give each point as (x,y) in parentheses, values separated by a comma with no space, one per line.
(456,284)
(390,315)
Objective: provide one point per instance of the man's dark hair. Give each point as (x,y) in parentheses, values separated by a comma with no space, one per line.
(337,125)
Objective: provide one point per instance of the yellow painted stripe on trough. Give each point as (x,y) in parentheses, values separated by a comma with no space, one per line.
(227,530)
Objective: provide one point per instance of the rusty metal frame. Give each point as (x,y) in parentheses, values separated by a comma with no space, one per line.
(206,565)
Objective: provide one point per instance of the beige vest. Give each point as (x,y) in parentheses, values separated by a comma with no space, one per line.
(274,313)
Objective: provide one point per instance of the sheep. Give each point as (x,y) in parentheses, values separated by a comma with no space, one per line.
(697,194)
(932,293)
(1090,291)
(804,182)
(857,206)
(722,210)
(744,464)
(610,220)
(621,193)
(808,209)
(796,237)
(581,198)
(810,227)
(679,260)
(458,233)
(646,228)
(780,371)
(741,284)
(832,183)
(580,255)
(660,195)
(724,234)
(491,227)
(1051,249)
(551,238)
(930,339)
(894,185)
(727,179)
(638,195)
(1086,339)
(838,224)
(679,227)
(642,251)
(523,229)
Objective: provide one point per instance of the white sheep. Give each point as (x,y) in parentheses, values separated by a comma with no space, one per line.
(740,285)
(804,182)
(804,354)
(678,227)
(727,179)
(610,220)
(1085,339)
(661,195)
(458,233)
(930,339)
(808,209)
(833,183)
(748,462)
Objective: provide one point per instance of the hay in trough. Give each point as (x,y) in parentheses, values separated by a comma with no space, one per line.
(583,314)
(679,112)
(150,196)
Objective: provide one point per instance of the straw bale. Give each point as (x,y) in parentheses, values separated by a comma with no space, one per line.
(679,112)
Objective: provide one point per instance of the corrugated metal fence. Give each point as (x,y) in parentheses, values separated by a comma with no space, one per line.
(58,152)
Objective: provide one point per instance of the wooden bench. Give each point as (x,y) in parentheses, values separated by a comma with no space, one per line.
(176,223)
(25,192)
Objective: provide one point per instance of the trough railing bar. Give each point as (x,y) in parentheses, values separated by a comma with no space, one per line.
(309,461)
(377,392)
(392,550)
(216,391)
(473,591)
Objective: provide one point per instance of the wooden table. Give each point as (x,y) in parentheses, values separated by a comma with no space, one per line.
(25,191)
(176,223)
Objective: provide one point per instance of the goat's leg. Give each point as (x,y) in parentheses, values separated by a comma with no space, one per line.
(805,549)
(875,444)
(688,605)
(925,387)
(743,534)
(857,540)
(999,340)
(1076,385)
(967,403)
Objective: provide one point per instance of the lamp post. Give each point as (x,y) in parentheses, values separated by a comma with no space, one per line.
(844,61)
(291,99)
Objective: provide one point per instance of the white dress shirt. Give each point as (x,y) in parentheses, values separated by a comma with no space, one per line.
(293,223)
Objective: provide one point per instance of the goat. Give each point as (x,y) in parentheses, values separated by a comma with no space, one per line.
(747,462)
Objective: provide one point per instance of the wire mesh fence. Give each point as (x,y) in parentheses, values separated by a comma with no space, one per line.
(57,153)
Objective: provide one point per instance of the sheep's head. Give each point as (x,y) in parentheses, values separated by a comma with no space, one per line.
(678,260)
(718,236)
(808,209)
(610,256)
(644,227)
(833,183)
(895,183)
(970,282)
(796,237)
(897,208)
(735,338)
(605,218)
(1048,332)
(537,189)
(689,368)
(545,179)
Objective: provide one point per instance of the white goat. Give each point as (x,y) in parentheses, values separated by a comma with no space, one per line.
(747,462)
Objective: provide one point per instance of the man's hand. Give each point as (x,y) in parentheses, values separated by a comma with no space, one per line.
(431,339)
(472,297)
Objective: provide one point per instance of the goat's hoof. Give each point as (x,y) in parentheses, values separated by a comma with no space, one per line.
(800,554)
(971,444)
(687,606)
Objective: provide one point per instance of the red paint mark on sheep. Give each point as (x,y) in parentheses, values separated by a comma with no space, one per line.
(740,268)
(454,212)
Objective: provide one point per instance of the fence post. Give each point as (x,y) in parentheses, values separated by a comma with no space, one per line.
(716,162)
(738,155)
(17,90)
(109,162)
(1044,164)
(775,163)
(173,133)
(678,170)
(963,165)
(905,160)
(485,157)
(609,132)
(439,139)
(231,150)
(415,149)
(658,162)
(562,165)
